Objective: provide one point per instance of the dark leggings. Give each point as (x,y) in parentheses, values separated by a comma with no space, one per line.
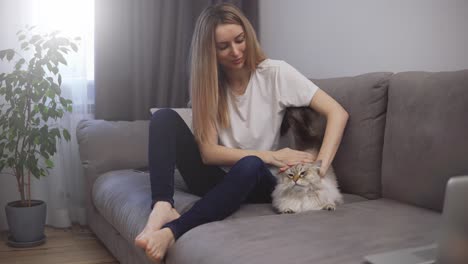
(172,144)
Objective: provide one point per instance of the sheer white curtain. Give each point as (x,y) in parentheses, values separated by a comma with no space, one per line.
(62,189)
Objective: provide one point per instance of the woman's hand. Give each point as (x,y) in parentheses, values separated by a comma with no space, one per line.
(323,169)
(286,157)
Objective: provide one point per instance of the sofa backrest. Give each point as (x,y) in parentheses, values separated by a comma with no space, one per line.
(358,161)
(426,136)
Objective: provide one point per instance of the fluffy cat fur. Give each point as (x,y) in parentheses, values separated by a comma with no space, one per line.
(307,127)
(300,188)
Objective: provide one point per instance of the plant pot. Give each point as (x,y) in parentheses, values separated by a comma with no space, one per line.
(26,224)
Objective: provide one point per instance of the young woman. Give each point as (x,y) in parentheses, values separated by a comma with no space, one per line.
(238,102)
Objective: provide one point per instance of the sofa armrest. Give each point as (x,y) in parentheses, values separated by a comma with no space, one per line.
(112,145)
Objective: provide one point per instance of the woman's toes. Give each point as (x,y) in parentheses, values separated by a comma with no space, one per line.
(141,241)
(141,235)
(151,258)
(158,243)
(151,252)
(154,255)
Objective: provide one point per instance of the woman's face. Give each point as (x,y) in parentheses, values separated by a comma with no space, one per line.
(230,46)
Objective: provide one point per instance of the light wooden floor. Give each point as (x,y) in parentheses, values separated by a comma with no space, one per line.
(76,245)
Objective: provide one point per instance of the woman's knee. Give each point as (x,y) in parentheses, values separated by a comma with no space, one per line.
(249,168)
(251,162)
(166,119)
(163,115)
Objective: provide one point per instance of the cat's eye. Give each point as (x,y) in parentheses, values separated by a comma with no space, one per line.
(302,173)
(290,175)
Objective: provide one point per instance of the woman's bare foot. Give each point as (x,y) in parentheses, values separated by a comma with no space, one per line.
(158,243)
(162,213)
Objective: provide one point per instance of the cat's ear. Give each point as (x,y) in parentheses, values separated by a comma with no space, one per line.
(317,164)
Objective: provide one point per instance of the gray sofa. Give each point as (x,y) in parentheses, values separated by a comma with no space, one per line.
(406,136)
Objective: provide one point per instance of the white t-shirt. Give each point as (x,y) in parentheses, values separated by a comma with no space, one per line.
(256,115)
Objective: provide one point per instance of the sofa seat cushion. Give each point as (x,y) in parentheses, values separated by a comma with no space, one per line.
(343,236)
(123,198)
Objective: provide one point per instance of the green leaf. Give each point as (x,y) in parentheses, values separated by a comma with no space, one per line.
(55,88)
(70,108)
(24,45)
(9,55)
(42,88)
(50,93)
(59,79)
(19,64)
(64,50)
(49,163)
(66,135)
(49,66)
(34,39)
(2,54)
(41,107)
(55,132)
(20,38)
(52,108)
(45,155)
(74,47)
(17,90)
(61,59)
(63,101)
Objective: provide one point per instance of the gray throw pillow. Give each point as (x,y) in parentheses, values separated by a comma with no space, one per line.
(358,160)
(426,136)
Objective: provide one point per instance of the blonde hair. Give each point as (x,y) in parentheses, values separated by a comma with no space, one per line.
(207,81)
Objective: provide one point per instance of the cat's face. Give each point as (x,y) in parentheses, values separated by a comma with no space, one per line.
(302,176)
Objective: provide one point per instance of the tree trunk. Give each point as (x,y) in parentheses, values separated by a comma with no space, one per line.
(29,188)
(20,180)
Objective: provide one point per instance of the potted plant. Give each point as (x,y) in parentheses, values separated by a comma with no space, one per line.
(30,97)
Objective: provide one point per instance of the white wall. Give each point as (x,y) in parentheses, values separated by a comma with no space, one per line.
(332,38)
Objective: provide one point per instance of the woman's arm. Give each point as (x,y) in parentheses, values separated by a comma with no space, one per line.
(337,118)
(214,154)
